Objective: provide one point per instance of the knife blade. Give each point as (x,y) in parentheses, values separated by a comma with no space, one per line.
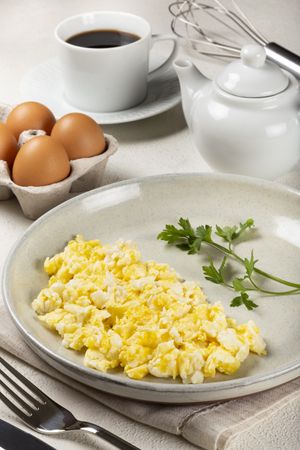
(12,438)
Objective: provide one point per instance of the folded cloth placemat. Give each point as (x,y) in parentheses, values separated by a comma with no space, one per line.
(210,426)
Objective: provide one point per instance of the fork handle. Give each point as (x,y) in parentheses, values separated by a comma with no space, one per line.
(106,435)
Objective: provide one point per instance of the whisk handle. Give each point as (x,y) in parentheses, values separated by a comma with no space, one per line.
(284,58)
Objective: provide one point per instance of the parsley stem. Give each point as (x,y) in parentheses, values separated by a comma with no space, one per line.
(190,239)
(231,253)
(264,291)
(277,279)
(225,250)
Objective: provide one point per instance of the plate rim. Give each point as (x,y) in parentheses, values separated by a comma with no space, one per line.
(131,383)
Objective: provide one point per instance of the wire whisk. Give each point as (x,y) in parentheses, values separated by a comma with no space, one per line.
(213,29)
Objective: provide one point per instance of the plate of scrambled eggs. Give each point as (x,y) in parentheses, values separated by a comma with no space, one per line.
(106,303)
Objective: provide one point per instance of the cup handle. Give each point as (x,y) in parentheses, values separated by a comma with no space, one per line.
(168,62)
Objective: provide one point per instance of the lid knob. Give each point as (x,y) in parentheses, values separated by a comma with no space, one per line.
(252,76)
(253,55)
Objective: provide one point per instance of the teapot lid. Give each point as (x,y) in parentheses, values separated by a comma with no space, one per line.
(252,76)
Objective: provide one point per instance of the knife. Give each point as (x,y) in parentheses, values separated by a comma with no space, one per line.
(12,438)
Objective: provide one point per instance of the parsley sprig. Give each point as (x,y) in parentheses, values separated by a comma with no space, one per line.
(190,239)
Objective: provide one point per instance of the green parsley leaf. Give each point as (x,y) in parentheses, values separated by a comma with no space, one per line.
(211,273)
(250,264)
(244,299)
(185,237)
(184,247)
(237,301)
(238,286)
(186,226)
(245,226)
(229,234)
(171,234)
(204,233)
(195,247)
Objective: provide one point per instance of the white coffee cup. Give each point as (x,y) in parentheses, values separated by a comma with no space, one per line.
(107,79)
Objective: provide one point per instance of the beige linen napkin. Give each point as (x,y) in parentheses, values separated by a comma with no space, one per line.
(210,426)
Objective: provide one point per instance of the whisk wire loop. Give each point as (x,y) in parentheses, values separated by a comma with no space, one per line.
(188,13)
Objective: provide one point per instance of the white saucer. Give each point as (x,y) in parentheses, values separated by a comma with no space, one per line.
(43,83)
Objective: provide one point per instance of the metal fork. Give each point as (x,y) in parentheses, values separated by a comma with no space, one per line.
(44,415)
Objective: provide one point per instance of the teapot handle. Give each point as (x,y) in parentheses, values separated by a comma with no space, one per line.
(284,58)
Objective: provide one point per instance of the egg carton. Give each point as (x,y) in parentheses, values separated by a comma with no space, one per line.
(86,174)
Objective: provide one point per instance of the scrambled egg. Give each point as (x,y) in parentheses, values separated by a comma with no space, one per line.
(139,315)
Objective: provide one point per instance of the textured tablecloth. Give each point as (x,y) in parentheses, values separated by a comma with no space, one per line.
(161,144)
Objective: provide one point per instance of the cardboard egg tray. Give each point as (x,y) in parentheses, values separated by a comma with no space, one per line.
(86,174)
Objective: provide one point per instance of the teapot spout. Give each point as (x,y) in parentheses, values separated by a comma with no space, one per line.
(191,82)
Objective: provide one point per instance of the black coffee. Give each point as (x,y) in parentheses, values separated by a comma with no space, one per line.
(102,39)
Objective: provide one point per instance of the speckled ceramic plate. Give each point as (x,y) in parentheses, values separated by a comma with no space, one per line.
(138,210)
(43,83)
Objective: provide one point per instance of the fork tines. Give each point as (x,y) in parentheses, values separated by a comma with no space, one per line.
(18,393)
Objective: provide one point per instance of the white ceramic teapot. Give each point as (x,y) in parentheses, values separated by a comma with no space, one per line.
(246,120)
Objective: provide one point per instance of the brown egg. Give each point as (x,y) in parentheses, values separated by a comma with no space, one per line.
(41,161)
(8,145)
(30,116)
(81,136)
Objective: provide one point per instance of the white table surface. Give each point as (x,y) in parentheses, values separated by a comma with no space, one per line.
(161,144)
